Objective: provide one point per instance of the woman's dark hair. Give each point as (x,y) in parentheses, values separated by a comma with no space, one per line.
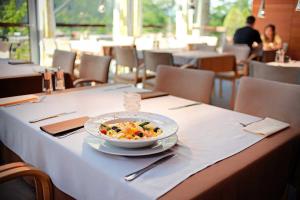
(272,27)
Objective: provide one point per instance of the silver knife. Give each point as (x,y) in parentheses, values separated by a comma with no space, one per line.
(51,116)
(117,88)
(184,106)
(136,174)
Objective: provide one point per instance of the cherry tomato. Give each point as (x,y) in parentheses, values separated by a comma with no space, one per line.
(103,131)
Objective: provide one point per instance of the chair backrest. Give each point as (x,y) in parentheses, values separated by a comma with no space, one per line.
(274,73)
(186,83)
(201,47)
(241,51)
(153,59)
(65,60)
(5,49)
(126,56)
(94,67)
(217,64)
(266,98)
(268,56)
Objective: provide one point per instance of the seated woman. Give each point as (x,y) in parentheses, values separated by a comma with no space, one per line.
(271,41)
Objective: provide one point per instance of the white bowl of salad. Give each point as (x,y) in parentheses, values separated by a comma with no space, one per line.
(131,129)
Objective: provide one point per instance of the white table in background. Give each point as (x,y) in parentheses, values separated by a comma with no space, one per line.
(289,64)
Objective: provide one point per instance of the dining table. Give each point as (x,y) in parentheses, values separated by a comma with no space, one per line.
(22,77)
(215,158)
(292,63)
(184,56)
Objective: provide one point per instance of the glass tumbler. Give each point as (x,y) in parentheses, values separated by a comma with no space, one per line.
(132,101)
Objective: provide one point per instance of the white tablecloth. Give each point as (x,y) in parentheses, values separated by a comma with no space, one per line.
(8,70)
(192,57)
(207,134)
(289,64)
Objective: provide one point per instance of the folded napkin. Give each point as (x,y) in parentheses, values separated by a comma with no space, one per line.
(19,62)
(266,126)
(18,100)
(64,127)
(152,94)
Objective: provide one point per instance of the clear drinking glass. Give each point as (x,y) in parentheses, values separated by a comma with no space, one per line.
(132,101)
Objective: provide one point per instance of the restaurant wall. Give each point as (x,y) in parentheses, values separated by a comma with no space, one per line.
(282,14)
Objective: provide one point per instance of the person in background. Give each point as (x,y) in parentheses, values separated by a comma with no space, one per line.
(248,35)
(271,40)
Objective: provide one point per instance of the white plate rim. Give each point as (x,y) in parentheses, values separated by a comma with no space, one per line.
(130,141)
(149,152)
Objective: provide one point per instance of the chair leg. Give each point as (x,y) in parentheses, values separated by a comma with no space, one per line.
(232,94)
(220,88)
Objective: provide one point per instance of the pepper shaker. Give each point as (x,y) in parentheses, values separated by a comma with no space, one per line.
(59,79)
(47,82)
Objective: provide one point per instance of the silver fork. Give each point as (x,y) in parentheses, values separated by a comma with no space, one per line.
(51,116)
(184,106)
(134,175)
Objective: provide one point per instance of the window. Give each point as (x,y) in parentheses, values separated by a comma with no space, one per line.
(14,27)
(77,18)
(158,16)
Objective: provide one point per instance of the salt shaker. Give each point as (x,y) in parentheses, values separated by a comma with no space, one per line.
(47,82)
(281,56)
(132,101)
(59,79)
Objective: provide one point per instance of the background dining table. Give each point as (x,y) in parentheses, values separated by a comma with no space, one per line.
(215,157)
(183,56)
(287,64)
(22,78)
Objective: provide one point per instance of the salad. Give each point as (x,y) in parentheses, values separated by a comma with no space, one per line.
(131,130)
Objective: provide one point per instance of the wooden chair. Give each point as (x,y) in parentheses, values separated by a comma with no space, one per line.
(151,61)
(126,56)
(42,181)
(274,73)
(242,55)
(190,84)
(268,56)
(266,98)
(93,69)
(225,68)
(65,60)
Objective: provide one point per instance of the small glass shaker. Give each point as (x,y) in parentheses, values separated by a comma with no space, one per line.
(59,79)
(47,82)
(277,56)
(132,101)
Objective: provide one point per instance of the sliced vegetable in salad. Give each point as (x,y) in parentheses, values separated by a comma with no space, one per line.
(131,130)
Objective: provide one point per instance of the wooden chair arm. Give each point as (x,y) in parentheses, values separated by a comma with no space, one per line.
(11,166)
(82,81)
(43,181)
